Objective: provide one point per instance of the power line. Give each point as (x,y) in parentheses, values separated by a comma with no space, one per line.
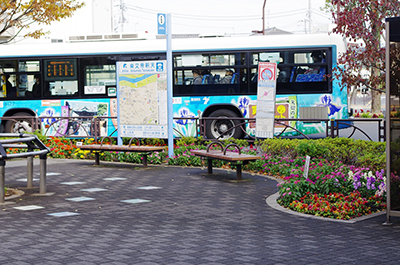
(134,11)
(220,18)
(153,11)
(183,24)
(288,14)
(321,14)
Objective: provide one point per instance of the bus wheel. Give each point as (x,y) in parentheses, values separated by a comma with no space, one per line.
(217,127)
(19,125)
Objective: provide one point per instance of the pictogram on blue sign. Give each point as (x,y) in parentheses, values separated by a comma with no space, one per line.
(160,67)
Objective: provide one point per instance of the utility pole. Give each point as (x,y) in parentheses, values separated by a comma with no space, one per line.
(263,18)
(122,6)
(119,16)
(309,16)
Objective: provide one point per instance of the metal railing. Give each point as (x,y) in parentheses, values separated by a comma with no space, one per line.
(332,127)
(92,126)
(59,125)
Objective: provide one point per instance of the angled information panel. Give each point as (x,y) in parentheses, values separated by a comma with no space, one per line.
(142,99)
(266,91)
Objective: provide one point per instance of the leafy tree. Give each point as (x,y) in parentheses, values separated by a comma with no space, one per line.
(21,14)
(363,23)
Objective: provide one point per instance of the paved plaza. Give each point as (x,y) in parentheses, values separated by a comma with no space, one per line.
(120,213)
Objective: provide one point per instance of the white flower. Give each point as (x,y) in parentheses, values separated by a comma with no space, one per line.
(351,176)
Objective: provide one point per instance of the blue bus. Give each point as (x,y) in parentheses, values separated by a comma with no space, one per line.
(212,77)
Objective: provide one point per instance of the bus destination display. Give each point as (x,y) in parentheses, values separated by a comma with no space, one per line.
(59,70)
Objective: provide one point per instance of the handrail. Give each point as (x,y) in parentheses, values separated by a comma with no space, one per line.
(23,155)
(11,141)
(234,145)
(105,137)
(134,138)
(32,143)
(215,143)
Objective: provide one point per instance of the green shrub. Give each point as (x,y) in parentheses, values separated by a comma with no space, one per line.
(359,153)
(189,141)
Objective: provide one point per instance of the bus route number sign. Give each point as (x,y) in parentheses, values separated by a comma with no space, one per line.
(59,70)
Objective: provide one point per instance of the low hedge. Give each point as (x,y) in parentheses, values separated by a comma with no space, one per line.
(358,153)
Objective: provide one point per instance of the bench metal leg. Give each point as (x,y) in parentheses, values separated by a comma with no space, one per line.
(29,180)
(239,172)
(2,180)
(209,165)
(97,158)
(144,160)
(43,172)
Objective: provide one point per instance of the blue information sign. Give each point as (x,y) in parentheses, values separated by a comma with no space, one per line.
(161,24)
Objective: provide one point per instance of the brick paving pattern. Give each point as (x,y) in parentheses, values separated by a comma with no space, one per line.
(178,216)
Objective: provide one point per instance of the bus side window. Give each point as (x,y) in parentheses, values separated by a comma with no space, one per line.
(313,77)
(284,75)
(30,86)
(9,86)
(99,76)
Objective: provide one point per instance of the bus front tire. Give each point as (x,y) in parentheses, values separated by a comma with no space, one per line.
(19,125)
(217,127)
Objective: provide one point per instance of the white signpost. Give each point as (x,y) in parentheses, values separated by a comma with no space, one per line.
(266,91)
(306,167)
(164,28)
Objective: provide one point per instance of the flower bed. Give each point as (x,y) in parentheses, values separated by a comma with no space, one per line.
(367,114)
(333,190)
(338,205)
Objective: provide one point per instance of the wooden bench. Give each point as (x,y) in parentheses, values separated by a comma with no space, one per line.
(225,155)
(144,150)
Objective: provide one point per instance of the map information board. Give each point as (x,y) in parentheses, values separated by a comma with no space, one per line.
(142,99)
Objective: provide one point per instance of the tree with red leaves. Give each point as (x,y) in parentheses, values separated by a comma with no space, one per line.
(362,22)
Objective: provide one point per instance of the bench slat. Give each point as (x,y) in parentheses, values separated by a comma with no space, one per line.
(145,150)
(124,148)
(229,156)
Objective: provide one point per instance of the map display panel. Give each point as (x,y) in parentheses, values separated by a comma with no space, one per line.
(142,99)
